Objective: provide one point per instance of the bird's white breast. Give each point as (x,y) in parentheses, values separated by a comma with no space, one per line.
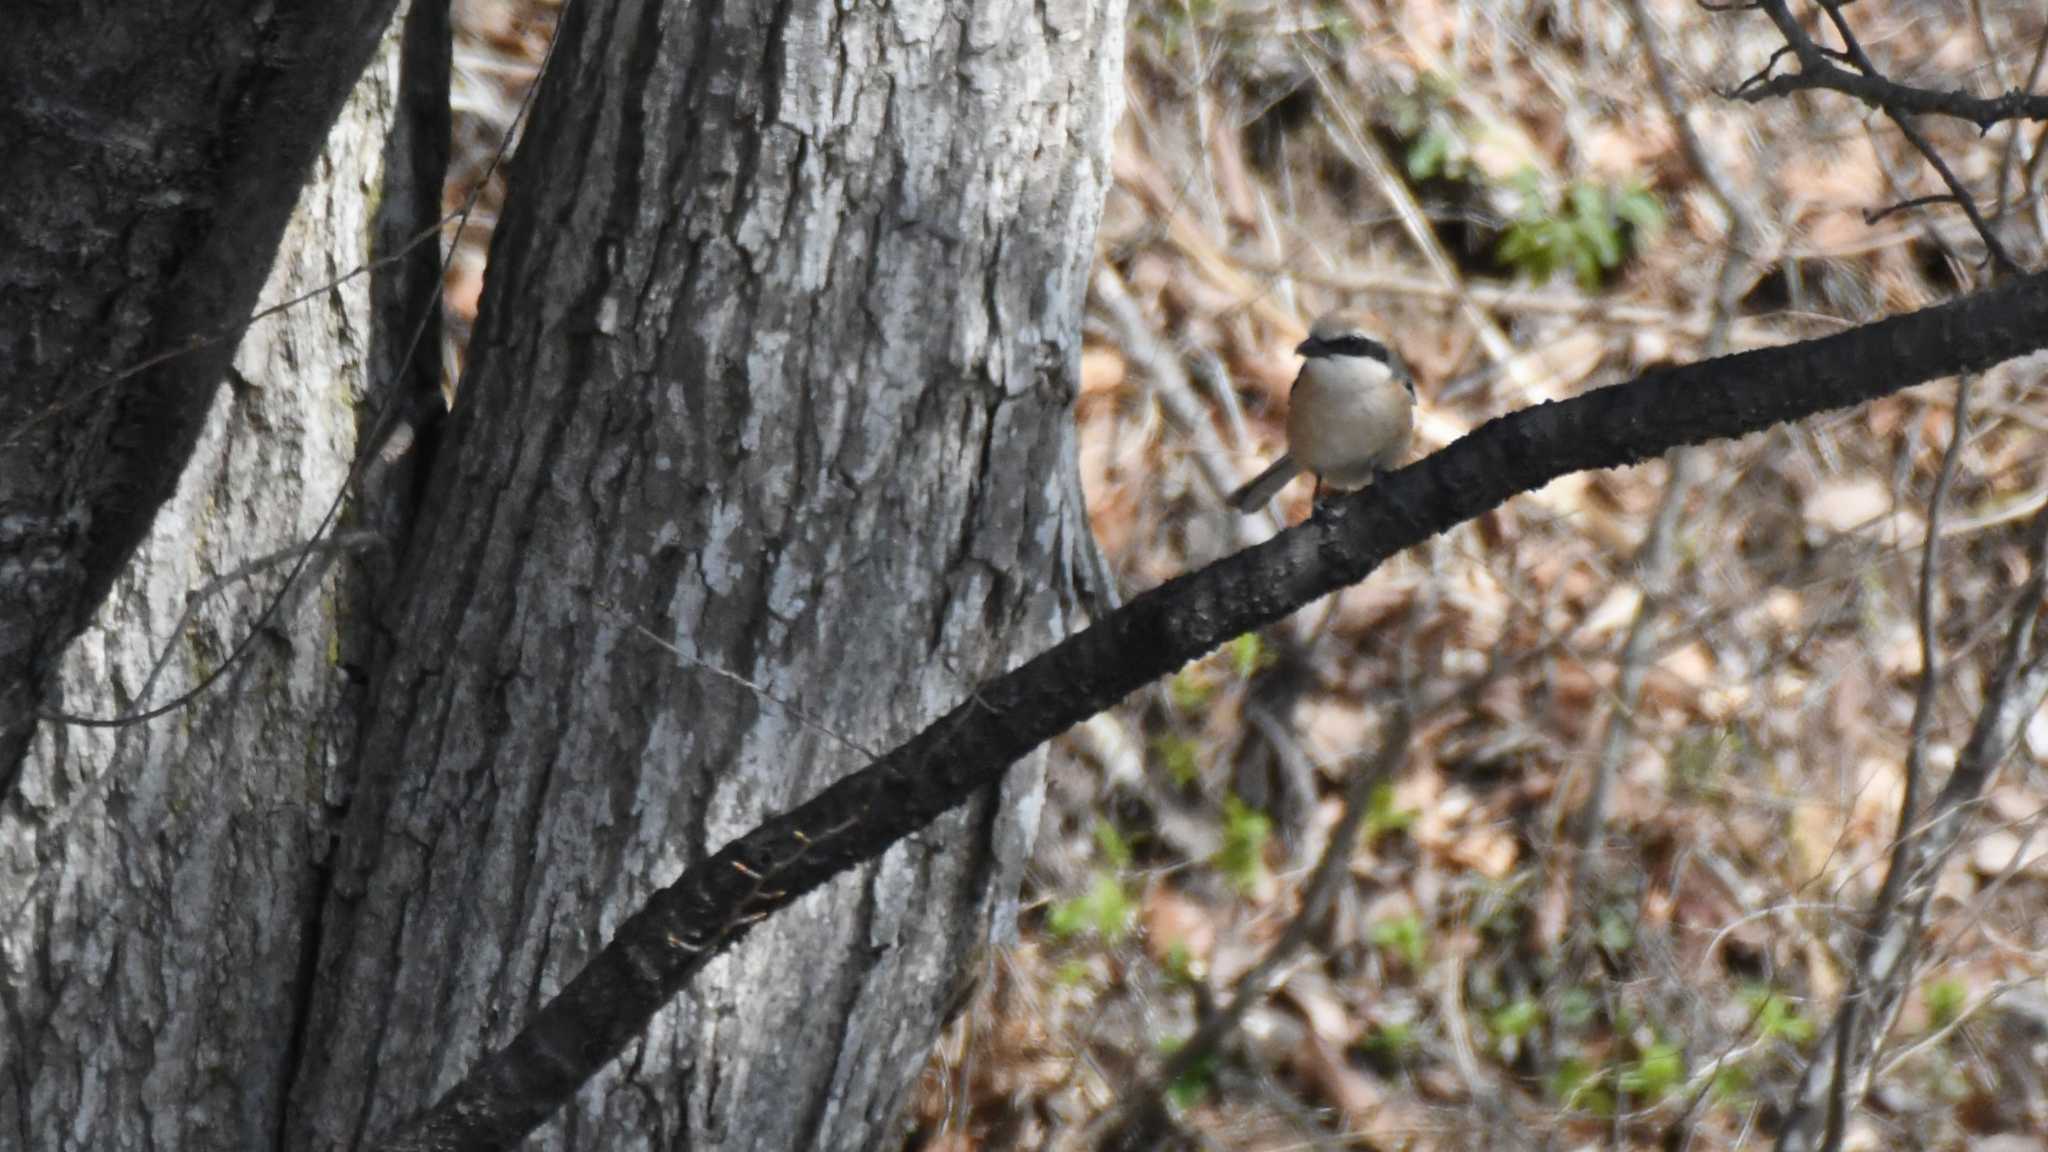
(1348,417)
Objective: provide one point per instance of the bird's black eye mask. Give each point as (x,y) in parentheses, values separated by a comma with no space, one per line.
(1350,345)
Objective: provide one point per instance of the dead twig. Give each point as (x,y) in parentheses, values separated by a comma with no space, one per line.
(1818,68)
(1886,954)
(1140,1121)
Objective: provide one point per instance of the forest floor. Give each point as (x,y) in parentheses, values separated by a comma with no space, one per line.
(1608,887)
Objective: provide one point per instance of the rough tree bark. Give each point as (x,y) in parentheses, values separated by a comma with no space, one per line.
(154,149)
(157,882)
(777,360)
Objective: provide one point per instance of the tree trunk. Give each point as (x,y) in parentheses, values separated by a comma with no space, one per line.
(776,365)
(154,150)
(158,881)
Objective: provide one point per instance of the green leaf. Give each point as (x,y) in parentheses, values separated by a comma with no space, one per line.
(1597,234)
(1248,655)
(1116,851)
(1242,859)
(1381,817)
(1777,1017)
(1617,933)
(1105,910)
(1190,689)
(1404,937)
(1578,1085)
(1393,1043)
(1426,154)
(1189,1087)
(1575,1008)
(1945,998)
(1642,210)
(1651,1077)
(1516,1020)
(1178,755)
(1731,1083)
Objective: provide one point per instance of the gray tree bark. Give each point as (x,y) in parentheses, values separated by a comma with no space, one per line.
(157,881)
(776,364)
(154,149)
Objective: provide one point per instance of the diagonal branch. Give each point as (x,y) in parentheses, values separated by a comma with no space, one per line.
(657,951)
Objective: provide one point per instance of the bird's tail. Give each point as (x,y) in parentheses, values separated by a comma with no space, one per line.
(1265,485)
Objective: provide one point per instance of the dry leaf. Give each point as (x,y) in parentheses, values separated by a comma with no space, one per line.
(2000,849)
(1175,924)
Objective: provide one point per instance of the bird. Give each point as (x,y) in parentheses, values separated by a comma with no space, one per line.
(1349,416)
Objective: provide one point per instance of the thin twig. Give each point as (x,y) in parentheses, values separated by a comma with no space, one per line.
(1915,770)
(1139,1120)
(367,451)
(346,542)
(1885,958)
(1898,102)
(1816,70)
(203,340)
(791,708)
(1656,557)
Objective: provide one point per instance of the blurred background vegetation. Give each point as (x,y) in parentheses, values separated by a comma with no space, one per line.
(1659,716)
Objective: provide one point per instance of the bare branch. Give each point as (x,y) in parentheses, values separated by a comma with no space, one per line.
(1873,215)
(1656,558)
(1818,69)
(1839,1102)
(1839,1072)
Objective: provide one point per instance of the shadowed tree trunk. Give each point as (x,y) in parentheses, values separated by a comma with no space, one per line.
(154,149)
(158,881)
(782,333)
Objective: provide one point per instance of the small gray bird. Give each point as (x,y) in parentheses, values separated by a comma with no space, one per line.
(1349,415)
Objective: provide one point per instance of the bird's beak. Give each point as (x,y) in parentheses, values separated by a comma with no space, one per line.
(1308,347)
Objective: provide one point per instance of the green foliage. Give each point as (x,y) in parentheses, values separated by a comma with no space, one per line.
(1519,1018)
(1248,654)
(1615,931)
(1652,1075)
(1381,817)
(1437,144)
(1391,1044)
(1437,151)
(1575,1008)
(1191,689)
(1189,1087)
(1777,1017)
(1242,859)
(1578,1085)
(1071,974)
(1180,756)
(1106,910)
(1731,1083)
(1945,998)
(1403,937)
(1116,851)
(1585,233)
